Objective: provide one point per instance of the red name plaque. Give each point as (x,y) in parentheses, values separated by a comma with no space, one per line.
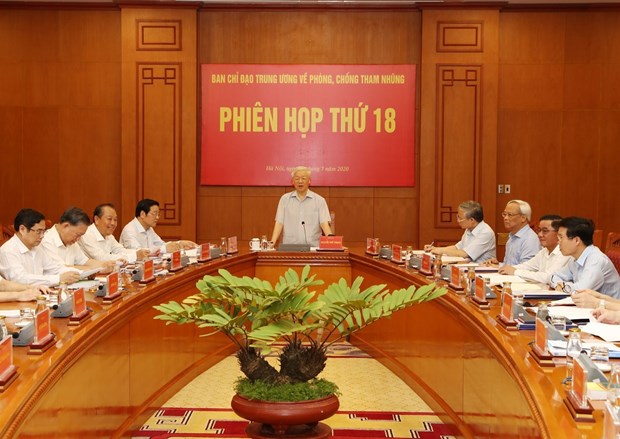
(371,247)
(80,311)
(204,252)
(331,243)
(175,264)
(455,278)
(397,254)
(113,289)
(232,245)
(506,311)
(7,368)
(425,267)
(540,335)
(148,272)
(42,326)
(79,302)
(480,292)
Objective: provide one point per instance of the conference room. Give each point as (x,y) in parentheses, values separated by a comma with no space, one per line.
(402,110)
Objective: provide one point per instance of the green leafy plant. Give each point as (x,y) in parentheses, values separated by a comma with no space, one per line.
(257,316)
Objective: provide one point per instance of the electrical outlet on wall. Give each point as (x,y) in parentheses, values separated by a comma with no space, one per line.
(506,188)
(500,188)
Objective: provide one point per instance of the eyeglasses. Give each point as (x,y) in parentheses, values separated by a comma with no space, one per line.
(568,288)
(154,214)
(38,231)
(459,219)
(509,214)
(545,231)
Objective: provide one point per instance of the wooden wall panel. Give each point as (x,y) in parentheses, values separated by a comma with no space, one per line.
(159,115)
(559,102)
(60,109)
(310,37)
(458,121)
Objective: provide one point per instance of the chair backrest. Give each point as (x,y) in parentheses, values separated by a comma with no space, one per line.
(7,232)
(612,249)
(598,239)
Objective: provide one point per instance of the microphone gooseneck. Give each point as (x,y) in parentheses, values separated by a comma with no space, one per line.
(303,225)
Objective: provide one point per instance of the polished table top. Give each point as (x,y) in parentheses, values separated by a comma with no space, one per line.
(448,350)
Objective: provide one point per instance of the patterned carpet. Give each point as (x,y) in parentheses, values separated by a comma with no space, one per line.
(202,408)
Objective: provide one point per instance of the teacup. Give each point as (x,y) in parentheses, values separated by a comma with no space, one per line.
(254,244)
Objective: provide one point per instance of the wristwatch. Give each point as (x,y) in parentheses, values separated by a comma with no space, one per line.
(601,304)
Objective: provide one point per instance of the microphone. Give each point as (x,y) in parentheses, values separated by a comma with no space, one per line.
(303,224)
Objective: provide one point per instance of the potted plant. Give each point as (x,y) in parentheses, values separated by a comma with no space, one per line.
(257,316)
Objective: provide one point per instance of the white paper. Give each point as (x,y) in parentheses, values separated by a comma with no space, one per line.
(452,259)
(525,286)
(498,279)
(86,284)
(566,301)
(570,312)
(604,330)
(10,313)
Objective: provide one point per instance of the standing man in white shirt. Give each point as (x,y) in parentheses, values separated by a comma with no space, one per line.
(99,242)
(548,260)
(23,260)
(478,240)
(302,214)
(61,242)
(139,232)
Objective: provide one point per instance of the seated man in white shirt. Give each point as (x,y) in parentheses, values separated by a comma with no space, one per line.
(99,242)
(590,267)
(23,260)
(61,242)
(478,241)
(140,233)
(16,292)
(548,260)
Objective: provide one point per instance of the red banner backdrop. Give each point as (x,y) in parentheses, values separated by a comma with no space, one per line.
(354,125)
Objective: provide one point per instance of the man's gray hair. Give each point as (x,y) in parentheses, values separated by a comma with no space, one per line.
(472,209)
(524,208)
(297,169)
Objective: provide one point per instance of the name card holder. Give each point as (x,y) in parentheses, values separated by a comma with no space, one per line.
(372,248)
(232,245)
(175,261)
(397,254)
(43,337)
(80,311)
(576,399)
(426,267)
(480,295)
(539,350)
(114,292)
(331,243)
(148,272)
(204,253)
(456,276)
(8,371)
(506,316)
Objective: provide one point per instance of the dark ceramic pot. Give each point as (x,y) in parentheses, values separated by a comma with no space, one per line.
(286,419)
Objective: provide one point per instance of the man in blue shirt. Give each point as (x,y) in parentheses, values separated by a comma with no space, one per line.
(478,240)
(591,268)
(523,243)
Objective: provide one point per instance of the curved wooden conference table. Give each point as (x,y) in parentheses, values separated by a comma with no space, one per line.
(105,377)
